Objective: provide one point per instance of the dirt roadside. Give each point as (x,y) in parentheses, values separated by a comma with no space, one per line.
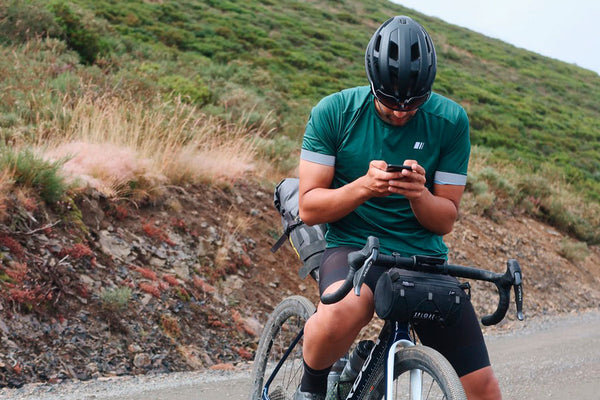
(542,358)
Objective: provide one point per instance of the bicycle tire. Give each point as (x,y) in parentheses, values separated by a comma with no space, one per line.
(281,328)
(439,380)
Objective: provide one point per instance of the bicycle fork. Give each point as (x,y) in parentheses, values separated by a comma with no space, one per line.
(392,335)
(401,338)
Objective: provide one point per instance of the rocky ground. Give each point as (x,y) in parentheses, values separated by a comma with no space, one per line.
(94,288)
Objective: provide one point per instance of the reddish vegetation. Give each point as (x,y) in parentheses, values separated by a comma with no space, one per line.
(77,251)
(29,203)
(17,272)
(149,288)
(244,353)
(171,280)
(120,212)
(179,224)
(13,246)
(155,232)
(170,325)
(215,321)
(202,285)
(145,272)
(23,296)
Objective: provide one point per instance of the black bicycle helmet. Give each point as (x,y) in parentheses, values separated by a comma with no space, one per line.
(401,63)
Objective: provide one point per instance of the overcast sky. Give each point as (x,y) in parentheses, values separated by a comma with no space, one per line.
(565,30)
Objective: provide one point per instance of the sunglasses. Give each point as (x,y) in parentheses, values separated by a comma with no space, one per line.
(410,104)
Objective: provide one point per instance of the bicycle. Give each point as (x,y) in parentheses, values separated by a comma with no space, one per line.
(422,369)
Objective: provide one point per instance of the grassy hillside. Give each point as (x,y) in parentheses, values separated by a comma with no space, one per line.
(263,64)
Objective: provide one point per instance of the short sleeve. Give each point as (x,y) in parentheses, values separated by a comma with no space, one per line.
(320,136)
(455,152)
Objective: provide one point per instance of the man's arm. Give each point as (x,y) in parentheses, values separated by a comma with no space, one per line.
(319,204)
(435,211)
(438,211)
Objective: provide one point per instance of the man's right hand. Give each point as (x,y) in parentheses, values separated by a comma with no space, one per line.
(376,180)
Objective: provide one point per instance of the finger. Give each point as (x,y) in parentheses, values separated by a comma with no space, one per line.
(378,164)
(410,178)
(409,193)
(415,167)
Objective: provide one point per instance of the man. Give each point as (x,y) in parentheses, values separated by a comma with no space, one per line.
(350,139)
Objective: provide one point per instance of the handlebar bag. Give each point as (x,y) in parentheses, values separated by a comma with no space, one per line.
(406,296)
(307,241)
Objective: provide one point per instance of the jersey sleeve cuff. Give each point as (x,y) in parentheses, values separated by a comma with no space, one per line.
(447,178)
(318,158)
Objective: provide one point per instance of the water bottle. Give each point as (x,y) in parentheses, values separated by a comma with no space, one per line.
(353,367)
(334,376)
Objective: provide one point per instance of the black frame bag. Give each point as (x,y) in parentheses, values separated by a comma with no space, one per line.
(412,297)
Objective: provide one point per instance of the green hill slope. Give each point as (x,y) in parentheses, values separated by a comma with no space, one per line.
(270,61)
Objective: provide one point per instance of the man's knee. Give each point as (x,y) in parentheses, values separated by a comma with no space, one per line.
(481,385)
(338,321)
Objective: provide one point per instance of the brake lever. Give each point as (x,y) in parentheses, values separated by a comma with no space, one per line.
(361,274)
(517,281)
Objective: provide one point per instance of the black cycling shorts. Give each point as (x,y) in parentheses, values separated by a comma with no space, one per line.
(462,344)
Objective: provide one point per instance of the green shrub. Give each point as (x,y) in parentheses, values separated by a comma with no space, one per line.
(347,17)
(533,186)
(173,37)
(497,180)
(483,198)
(33,171)
(23,20)
(79,34)
(115,299)
(8,120)
(477,187)
(191,90)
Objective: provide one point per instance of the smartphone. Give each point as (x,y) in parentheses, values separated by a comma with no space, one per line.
(397,167)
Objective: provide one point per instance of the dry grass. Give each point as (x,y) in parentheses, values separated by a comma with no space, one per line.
(117,145)
(573,251)
(6,183)
(234,226)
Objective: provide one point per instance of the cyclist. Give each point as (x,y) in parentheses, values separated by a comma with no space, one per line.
(350,138)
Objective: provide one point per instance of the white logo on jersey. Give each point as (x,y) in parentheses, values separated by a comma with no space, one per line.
(419,145)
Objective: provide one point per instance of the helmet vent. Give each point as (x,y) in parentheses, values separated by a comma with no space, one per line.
(428,41)
(414,52)
(412,82)
(378,43)
(393,51)
(395,83)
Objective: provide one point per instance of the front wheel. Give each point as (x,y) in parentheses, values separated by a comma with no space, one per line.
(438,380)
(282,327)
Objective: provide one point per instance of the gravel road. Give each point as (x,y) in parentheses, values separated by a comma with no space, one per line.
(542,358)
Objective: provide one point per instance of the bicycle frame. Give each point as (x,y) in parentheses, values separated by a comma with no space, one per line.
(384,349)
